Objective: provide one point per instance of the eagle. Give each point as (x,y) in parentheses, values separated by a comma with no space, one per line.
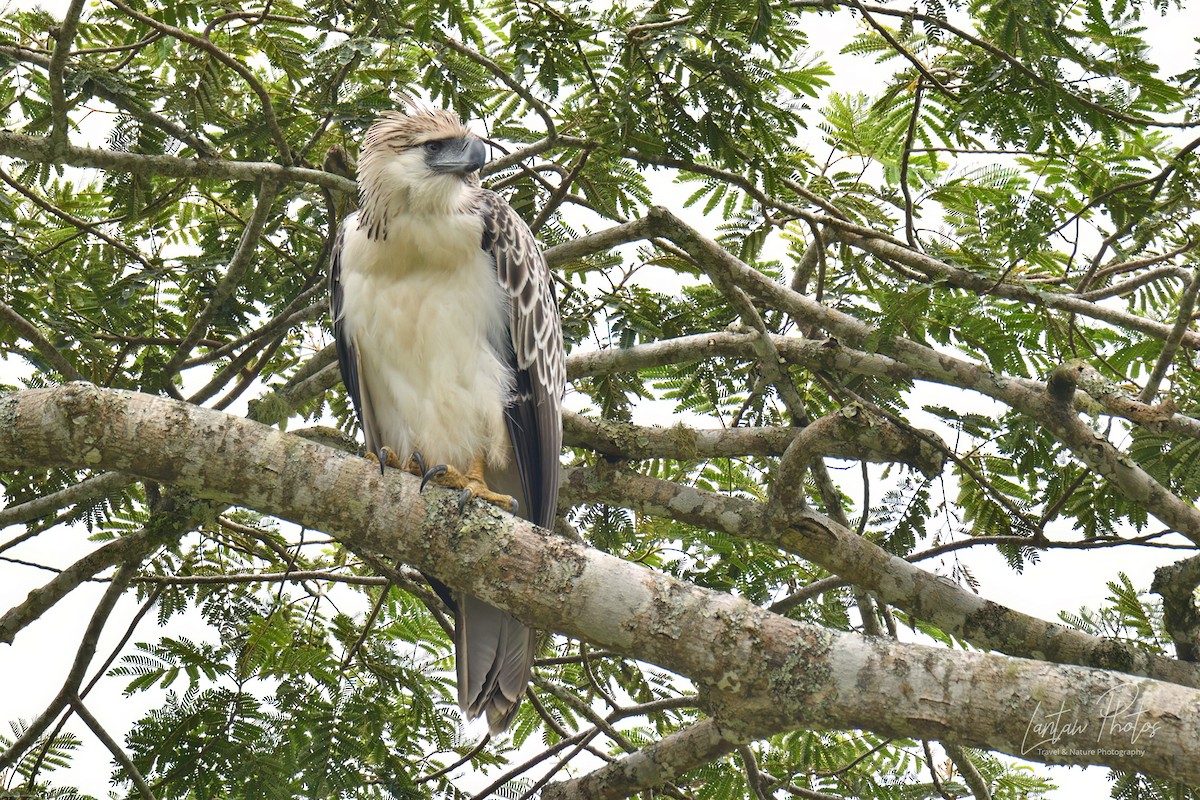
(451,349)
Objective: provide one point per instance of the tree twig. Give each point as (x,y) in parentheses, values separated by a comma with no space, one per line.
(83,658)
(1187,303)
(244,72)
(117,751)
(64,36)
(243,257)
(30,333)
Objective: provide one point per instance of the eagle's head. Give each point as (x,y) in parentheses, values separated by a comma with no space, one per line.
(423,162)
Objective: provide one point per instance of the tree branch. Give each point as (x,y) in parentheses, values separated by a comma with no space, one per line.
(134,547)
(38,149)
(983,284)
(1177,583)
(763,674)
(118,753)
(897,582)
(598,242)
(836,355)
(971,776)
(651,766)
(82,225)
(64,36)
(244,72)
(243,257)
(267,577)
(851,433)
(83,658)
(910,58)
(1087,446)
(30,333)
(1013,62)
(121,101)
(1125,287)
(1187,302)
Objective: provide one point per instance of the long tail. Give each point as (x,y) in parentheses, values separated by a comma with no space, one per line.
(495,661)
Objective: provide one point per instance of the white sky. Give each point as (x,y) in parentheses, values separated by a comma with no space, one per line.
(1069,580)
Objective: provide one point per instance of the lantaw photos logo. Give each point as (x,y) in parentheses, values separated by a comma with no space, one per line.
(1111,724)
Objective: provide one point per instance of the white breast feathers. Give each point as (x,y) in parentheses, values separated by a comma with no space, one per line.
(422,307)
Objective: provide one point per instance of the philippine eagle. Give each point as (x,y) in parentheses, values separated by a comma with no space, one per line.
(450,346)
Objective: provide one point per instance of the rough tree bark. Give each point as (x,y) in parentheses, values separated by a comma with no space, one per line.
(759,673)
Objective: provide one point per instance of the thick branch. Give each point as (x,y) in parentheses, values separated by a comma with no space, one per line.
(764,674)
(275,407)
(897,582)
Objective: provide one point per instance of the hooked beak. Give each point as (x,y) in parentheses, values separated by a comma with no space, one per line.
(460,156)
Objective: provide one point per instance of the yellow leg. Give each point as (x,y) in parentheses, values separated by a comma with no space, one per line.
(472,484)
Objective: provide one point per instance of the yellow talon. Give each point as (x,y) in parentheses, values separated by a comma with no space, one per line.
(471,483)
(387,457)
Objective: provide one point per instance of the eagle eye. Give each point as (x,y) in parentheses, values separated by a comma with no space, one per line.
(433,147)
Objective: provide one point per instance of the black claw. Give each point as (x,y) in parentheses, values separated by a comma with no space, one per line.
(464,498)
(417,457)
(515,507)
(432,474)
(382,455)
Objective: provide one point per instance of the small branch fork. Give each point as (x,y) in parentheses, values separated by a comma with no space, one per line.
(69,693)
(117,751)
(64,36)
